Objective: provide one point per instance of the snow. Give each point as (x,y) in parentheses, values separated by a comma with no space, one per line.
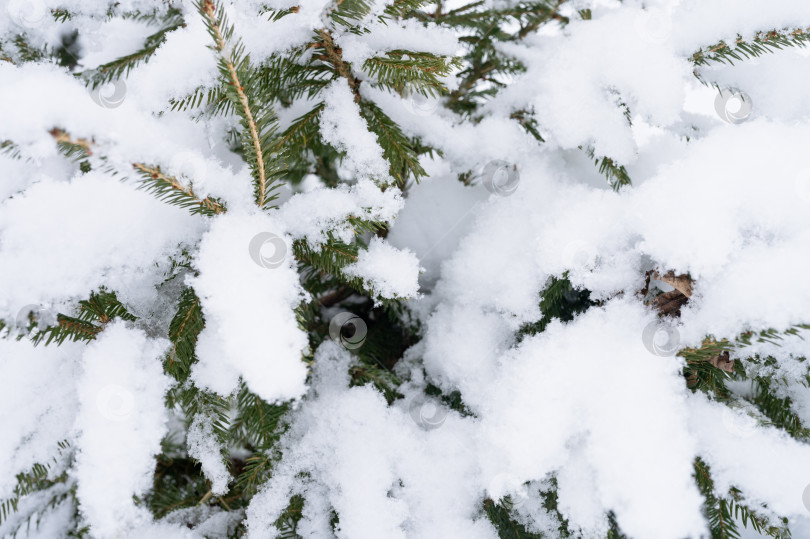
(121,422)
(40,228)
(248,292)
(407,35)
(344,128)
(395,479)
(591,403)
(33,428)
(313,214)
(202,445)
(386,270)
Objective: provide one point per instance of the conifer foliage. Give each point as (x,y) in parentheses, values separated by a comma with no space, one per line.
(402,268)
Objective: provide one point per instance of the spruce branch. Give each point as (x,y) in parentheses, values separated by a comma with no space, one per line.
(94,313)
(334,55)
(740,49)
(528,123)
(559,300)
(708,367)
(542,14)
(37,480)
(349,12)
(214,99)
(169,189)
(184,330)
(70,146)
(616,174)
(723,512)
(398,150)
(9,148)
(403,8)
(418,71)
(287,77)
(165,187)
(123,65)
(235,68)
(507,526)
(778,410)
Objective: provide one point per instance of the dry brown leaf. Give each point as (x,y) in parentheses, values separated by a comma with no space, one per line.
(722,362)
(681,283)
(670,302)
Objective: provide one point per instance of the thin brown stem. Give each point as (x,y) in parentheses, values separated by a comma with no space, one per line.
(335,56)
(209,9)
(156,174)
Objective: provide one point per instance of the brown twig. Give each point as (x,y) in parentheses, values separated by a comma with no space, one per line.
(209,9)
(335,55)
(156,174)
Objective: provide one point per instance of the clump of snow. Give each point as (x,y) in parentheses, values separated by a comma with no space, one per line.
(439,213)
(62,239)
(389,271)
(202,445)
(121,423)
(312,214)
(405,35)
(394,478)
(33,427)
(344,128)
(248,289)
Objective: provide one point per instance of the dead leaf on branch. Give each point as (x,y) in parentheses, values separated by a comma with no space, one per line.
(722,362)
(669,303)
(681,283)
